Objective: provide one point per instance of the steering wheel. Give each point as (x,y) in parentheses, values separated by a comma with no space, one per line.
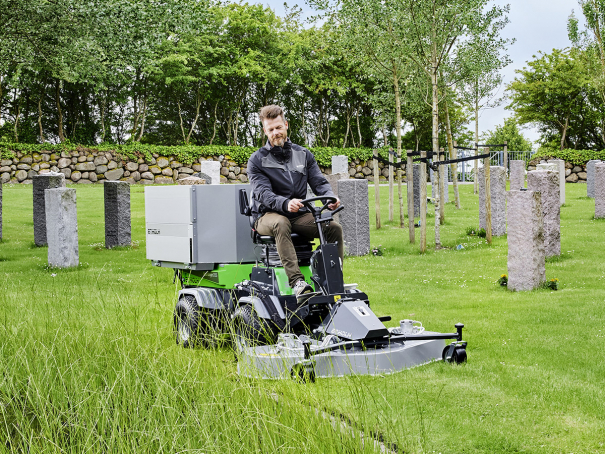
(309,203)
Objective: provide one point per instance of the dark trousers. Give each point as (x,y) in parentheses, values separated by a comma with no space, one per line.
(281,227)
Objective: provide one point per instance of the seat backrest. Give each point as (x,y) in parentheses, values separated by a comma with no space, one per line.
(244,207)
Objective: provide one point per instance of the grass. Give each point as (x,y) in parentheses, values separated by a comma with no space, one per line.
(89,363)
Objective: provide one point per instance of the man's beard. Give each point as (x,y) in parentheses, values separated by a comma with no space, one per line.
(278,142)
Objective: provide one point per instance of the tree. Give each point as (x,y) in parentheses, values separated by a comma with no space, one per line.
(510,133)
(551,93)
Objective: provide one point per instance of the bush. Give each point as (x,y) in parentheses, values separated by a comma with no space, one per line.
(575,157)
(183,153)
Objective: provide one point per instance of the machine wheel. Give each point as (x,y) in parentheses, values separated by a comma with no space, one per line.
(194,326)
(250,329)
(458,356)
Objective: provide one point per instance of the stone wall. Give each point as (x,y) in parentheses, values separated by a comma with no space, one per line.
(573,173)
(85,166)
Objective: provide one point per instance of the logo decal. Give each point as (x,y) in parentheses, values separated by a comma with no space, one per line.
(153,231)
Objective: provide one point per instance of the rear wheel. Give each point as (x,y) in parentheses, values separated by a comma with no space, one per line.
(458,355)
(249,329)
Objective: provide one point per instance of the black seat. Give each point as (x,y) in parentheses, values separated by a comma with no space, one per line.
(270,257)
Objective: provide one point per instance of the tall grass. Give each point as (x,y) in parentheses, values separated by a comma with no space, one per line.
(89,363)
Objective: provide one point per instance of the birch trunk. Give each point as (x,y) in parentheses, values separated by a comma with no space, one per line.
(453,155)
(59,112)
(435,141)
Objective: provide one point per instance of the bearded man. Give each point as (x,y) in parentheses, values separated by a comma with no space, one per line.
(279,173)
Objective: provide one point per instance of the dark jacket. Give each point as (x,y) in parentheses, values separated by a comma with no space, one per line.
(274,184)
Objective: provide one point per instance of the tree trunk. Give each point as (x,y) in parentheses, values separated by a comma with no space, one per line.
(143,117)
(198,103)
(344,143)
(453,155)
(59,112)
(564,132)
(410,196)
(214,124)
(42,139)
(398,119)
(476,137)
(178,103)
(434,81)
(358,126)
(17,115)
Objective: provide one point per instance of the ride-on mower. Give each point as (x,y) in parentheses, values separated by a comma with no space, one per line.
(235,285)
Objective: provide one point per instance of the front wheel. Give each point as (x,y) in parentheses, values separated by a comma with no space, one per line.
(193,325)
(249,329)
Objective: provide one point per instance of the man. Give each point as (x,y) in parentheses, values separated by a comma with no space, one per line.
(279,173)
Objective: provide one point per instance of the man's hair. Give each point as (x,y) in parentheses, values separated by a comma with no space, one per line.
(271,112)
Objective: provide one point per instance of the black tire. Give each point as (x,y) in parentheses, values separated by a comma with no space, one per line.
(250,329)
(194,326)
(458,357)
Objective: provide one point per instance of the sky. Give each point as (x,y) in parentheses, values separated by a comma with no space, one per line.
(537,25)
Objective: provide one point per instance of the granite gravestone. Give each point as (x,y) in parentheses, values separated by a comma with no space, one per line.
(546,182)
(498,195)
(517,175)
(526,257)
(61,227)
(355,218)
(340,164)
(0,210)
(599,190)
(117,214)
(416,190)
(590,177)
(213,170)
(561,169)
(41,183)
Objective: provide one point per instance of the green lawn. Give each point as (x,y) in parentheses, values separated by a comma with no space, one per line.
(89,363)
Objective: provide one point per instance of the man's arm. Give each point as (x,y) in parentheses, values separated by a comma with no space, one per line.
(263,190)
(319,184)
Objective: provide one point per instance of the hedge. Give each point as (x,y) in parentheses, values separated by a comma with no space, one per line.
(186,154)
(575,157)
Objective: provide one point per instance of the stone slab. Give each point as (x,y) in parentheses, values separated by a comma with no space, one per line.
(41,183)
(517,175)
(416,190)
(546,182)
(117,214)
(590,177)
(213,170)
(599,190)
(61,227)
(340,164)
(0,211)
(561,169)
(526,256)
(333,180)
(498,202)
(355,218)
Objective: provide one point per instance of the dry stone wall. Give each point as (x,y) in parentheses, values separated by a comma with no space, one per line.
(86,166)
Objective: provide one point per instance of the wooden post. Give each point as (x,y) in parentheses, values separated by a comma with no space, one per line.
(390,184)
(377,189)
(488,200)
(409,172)
(506,158)
(423,203)
(401,216)
(442,187)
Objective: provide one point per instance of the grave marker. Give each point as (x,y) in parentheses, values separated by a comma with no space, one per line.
(526,257)
(546,182)
(41,183)
(61,227)
(117,214)
(355,220)
(599,190)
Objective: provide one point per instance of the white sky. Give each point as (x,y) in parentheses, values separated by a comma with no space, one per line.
(537,25)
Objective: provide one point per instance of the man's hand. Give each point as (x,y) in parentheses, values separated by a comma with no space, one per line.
(334,205)
(294,205)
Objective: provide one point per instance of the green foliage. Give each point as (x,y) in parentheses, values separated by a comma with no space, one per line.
(183,153)
(576,157)
(510,133)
